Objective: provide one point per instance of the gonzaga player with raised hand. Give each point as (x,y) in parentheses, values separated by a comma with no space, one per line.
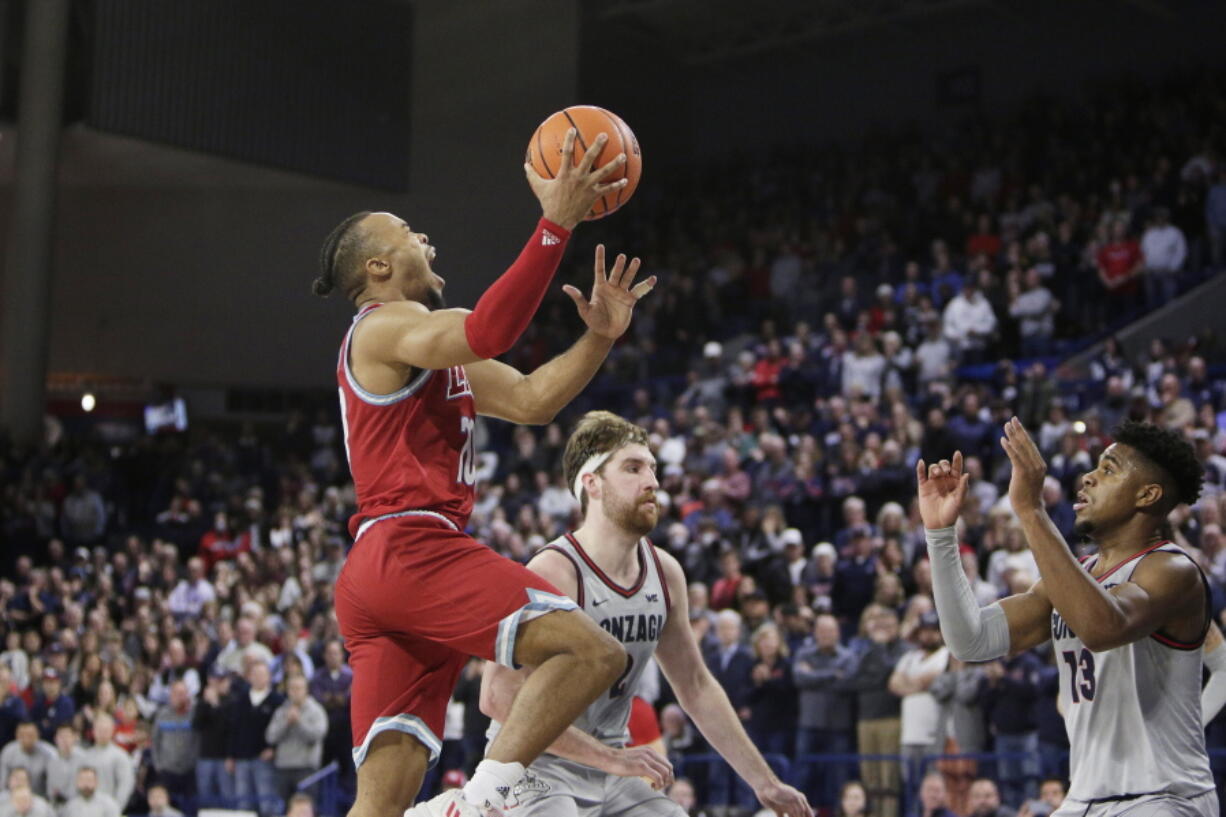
(637,593)
(1127,624)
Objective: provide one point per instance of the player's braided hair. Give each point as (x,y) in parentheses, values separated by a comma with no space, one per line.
(1170,452)
(598,432)
(338,258)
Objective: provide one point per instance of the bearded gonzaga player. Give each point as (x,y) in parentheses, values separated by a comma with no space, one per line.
(1127,624)
(637,593)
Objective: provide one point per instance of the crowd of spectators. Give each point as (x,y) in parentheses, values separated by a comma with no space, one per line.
(821,321)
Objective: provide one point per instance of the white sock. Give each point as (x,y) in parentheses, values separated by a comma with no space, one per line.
(491,784)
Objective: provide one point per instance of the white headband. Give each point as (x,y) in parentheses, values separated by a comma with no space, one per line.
(590,467)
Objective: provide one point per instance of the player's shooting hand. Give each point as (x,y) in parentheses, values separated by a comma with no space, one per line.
(1029,469)
(942,489)
(569,196)
(783,799)
(642,761)
(613,296)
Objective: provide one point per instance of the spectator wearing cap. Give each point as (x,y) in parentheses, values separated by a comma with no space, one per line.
(922,732)
(1164,249)
(90,800)
(296,732)
(26,751)
(213,723)
(12,708)
(111,764)
(192,592)
(62,770)
(52,706)
(855,578)
(23,802)
(255,783)
(794,561)
(174,743)
(826,711)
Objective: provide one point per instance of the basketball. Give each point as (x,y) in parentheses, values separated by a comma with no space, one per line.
(545,150)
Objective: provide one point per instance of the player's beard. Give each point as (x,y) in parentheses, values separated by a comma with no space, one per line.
(637,517)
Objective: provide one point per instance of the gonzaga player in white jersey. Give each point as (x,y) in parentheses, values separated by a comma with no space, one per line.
(638,594)
(1127,626)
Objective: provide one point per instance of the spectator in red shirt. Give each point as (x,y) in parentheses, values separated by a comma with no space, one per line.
(723,593)
(221,543)
(1119,263)
(984,241)
(766,373)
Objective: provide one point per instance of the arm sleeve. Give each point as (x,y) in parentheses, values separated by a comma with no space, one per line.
(971,632)
(505,310)
(1214,695)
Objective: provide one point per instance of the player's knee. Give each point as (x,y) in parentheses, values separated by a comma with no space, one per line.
(604,657)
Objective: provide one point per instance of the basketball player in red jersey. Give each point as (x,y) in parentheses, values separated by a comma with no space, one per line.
(417,596)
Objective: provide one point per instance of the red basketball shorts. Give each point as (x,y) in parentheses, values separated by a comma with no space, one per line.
(415,599)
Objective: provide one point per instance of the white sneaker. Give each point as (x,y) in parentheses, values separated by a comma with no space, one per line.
(450,803)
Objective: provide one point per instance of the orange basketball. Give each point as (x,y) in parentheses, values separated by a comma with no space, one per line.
(545,150)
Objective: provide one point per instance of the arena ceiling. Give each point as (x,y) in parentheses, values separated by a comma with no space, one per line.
(710,31)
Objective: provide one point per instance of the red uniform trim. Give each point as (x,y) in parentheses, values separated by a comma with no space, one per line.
(624,592)
(1136,555)
(655,557)
(1175,645)
(573,563)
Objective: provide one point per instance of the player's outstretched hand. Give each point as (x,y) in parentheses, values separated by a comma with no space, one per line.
(784,800)
(1029,469)
(942,489)
(643,761)
(569,196)
(613,296)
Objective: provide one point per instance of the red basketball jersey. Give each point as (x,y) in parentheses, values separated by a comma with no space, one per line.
(413,449)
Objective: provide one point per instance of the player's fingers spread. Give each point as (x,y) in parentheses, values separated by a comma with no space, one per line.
(599,264)
(568,152)
(921,471)
(957,463)
(577,297)
(589,158)
(632,269)
(604,170)
(611,187)
(619,267)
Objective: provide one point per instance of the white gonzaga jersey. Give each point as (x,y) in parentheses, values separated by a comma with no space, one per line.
(1133,712)
(633,615)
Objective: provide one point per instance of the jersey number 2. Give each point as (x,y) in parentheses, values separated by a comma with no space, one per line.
(1085,663)
(619,689)
(468,454)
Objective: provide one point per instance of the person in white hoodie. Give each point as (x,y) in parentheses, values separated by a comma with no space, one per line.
(969,322)
(1164,250)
